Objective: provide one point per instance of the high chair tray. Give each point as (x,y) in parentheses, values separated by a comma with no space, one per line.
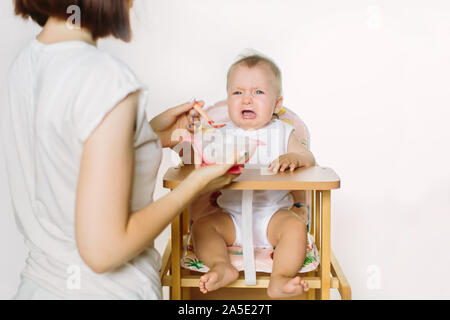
(312,178)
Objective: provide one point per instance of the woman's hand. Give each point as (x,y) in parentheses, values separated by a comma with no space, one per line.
(215,177)
(177,118)
(219,183)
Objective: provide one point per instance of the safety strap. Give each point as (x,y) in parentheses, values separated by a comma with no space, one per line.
(247,238)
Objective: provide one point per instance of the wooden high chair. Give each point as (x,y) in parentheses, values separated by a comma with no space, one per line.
(317,181)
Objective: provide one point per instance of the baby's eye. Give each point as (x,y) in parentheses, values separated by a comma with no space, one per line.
(237,92)
(259,92)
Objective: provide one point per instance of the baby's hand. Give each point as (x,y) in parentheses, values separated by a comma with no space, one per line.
(290,160)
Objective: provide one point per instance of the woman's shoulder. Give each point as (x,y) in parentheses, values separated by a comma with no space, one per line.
(75,61)
(100,81)
(83,60)
(92,71)
(98,63)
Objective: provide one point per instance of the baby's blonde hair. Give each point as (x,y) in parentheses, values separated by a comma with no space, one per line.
(253,60)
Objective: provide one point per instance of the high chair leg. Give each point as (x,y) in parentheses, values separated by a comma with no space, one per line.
(344,286)
(311,292)
(175,289)
(165,261)
(185,292)
(325,246)
(312,219)
(317,219)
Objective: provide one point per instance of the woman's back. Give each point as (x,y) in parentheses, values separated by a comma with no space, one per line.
(58,95)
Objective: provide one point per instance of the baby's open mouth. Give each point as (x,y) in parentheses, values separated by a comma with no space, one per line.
(248,114)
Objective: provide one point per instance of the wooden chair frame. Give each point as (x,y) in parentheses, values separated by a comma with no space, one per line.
(328,275)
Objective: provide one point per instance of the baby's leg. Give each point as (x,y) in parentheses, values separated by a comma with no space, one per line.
(288,234)
(211,235)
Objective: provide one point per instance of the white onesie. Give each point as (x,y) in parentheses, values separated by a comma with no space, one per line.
(266,203)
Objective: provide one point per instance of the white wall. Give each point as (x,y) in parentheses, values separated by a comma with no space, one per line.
(370,78)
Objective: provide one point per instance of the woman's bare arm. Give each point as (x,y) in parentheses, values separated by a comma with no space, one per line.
(107,233)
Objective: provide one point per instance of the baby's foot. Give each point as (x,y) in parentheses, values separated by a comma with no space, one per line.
(285,287)
(218,276)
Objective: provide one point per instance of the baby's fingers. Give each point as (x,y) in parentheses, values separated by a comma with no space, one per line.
(284,166)
(292,166)
(275,166)
(272,165)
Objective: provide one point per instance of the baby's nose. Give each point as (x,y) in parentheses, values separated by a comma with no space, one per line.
(247,97)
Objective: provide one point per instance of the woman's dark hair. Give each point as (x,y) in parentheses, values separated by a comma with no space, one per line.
(101,17)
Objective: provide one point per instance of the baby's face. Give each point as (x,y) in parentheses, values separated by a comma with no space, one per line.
(253,96)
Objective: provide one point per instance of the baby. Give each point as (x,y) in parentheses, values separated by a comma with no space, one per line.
(254,95)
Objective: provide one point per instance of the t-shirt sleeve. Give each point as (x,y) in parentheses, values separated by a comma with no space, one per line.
(106,84)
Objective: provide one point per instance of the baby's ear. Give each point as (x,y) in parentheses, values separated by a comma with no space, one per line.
(278,105)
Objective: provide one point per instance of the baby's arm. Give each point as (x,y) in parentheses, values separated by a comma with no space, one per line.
(297,156)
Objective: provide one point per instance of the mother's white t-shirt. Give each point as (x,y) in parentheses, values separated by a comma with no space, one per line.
(58,95)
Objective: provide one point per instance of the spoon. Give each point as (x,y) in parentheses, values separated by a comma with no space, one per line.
(207,118)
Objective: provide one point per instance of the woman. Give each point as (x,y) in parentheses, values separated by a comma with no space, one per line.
(82,160)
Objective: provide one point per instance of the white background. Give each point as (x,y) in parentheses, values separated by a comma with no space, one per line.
(371,80)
